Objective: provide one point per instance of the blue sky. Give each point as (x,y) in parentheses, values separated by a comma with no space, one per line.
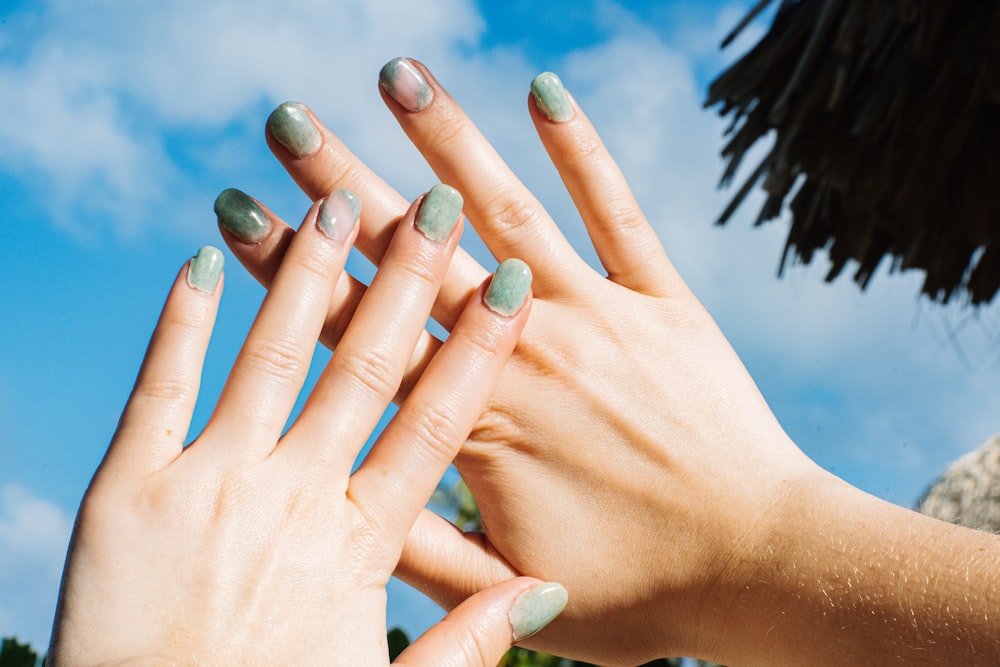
(122,121)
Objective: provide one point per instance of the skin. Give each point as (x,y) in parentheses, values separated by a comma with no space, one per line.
(627,453)
(249,547)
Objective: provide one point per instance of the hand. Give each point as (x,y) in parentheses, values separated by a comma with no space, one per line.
(607,451)
(626,452)
(252,547)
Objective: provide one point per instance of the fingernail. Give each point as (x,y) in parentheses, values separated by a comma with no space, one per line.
(439,212)
(535,608)
(205,269)
(551,97)
(241,216)
(338,214)
(509,287)
(404,82)
(293,129)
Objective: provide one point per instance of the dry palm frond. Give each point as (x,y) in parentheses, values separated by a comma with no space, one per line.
(886,117)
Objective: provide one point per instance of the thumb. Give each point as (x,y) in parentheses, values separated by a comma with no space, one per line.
(479,631)
(448,565)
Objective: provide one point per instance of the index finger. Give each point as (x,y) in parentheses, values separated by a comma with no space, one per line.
(510,220)
(407,461)
(320,163)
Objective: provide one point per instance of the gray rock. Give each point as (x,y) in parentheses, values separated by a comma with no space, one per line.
(968,493)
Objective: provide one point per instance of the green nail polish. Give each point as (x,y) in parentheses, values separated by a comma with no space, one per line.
(292,127)
(509,287)
(241,216)
(439,212)
(404,82)
(205,269)
(535,608)
(338,214)
(551,97)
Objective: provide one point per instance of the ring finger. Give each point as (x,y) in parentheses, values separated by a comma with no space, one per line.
(261,246)
(504,212)
(320,163)
(272,365)
(368,365)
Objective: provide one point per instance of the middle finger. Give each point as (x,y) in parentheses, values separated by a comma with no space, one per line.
(365,371)
(272,364)
(507,216)
(320,163)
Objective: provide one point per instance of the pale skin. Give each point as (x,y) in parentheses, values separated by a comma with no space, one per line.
(249,547)
(627,454)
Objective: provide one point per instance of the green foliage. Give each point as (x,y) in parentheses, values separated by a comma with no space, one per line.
(15,654)
(519,657)
(458,500)
(522,657)
(398,641)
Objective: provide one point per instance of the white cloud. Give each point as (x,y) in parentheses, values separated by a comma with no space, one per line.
(102,86)
(34,533)
(105,83)
(67,130)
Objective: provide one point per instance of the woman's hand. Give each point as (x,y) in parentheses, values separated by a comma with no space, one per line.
(626,453)
(250,546)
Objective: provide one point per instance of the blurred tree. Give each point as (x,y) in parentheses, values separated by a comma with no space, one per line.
(398,641)
(15,654)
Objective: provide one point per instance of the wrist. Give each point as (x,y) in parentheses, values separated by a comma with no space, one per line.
(764,571)
(847,578)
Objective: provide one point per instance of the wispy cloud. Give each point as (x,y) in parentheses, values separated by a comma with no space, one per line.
(34,533)
(119,114)
(102,95)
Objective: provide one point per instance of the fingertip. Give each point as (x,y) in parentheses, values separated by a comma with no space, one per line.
(337,216)
(404,81)
(204,272)
(242,216)
(551,97)
(535,608)
(509,288)
(480,630)
(292,126)
(439,212)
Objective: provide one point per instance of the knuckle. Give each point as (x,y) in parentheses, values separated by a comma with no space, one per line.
(478,343)
(434,428)
(418,269)
(371,369)
(164,389)
(316,265)
(587,153)
(447,135)
(624,216)
(187,322)
(512,215)
(501,426)
(233,492)
(471,648)
(336,173)
(476,648)
(280,358)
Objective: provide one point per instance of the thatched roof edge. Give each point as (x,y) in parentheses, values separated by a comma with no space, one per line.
(886,119)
